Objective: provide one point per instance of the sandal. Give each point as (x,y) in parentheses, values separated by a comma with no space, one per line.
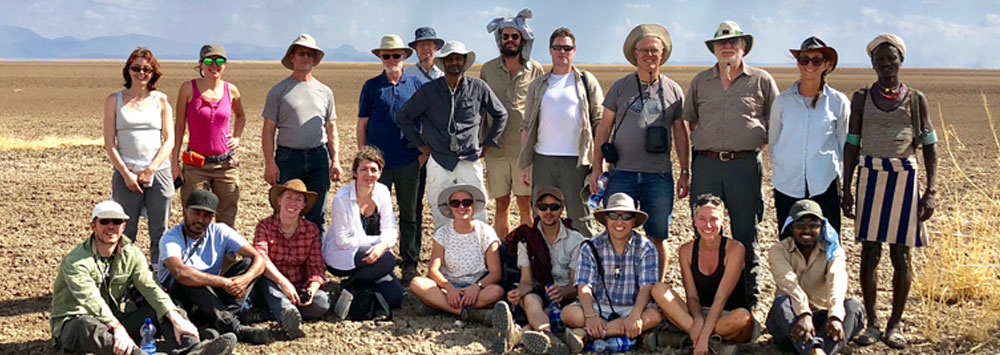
(894,339)
(870,336)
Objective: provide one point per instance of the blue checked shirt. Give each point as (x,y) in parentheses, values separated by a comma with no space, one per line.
(639,257)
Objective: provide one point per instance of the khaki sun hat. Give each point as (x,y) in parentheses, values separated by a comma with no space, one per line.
(293,185)
(643,31)
(889,38)
(815,44)
(455,47)
(392,42)
(477,196)
(730,29)
(210,50)
(304,40)
(621,202)
(549,191)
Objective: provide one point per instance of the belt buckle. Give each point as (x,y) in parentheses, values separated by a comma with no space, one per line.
(726,156)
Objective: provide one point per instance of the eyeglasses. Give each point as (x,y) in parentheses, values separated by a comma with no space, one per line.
(816,61)
(559,48)
(141,69)
(464,203)
(220,61)
(393,56)
(809,225)
(511,36)
(732,41)
(625,216)
(648,51)
(548,206)
(114,221)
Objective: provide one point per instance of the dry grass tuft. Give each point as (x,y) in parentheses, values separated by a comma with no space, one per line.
(47,142)
(959,284)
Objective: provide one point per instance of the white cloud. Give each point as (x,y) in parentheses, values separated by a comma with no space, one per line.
(495,12)
(92,16)
(633,6)
(993,19)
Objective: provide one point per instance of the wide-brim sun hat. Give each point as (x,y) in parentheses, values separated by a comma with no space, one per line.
(643,31)
(621,202)
(730,29)
(815,44)
(390,43)
(455,47)
(293,185)
(423,34)
(304,40)
(477,195)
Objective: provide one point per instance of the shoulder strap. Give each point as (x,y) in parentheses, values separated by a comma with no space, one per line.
(586,87)
(597,258)
(861,113)
(918,134)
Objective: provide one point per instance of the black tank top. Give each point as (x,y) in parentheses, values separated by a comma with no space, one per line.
(707,285)
(372,224)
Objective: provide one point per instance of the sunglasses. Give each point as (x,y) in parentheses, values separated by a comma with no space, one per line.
(220,61)
(115,221)
(559,48)
(464,203)
(393,56)
(141,69)
(625,216)
(733,41)
(816,61)
(549,207)
(511,36)
(648,51)
(809,225)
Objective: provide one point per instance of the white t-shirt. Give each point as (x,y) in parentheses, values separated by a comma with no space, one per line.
(465,254)
(559,121)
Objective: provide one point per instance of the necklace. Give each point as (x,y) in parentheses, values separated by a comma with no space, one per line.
(889,93)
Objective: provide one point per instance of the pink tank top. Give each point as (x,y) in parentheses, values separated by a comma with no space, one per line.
(208,122)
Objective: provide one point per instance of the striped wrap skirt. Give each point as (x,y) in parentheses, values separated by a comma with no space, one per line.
(888,202)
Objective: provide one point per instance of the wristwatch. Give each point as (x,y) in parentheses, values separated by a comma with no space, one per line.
(480,284)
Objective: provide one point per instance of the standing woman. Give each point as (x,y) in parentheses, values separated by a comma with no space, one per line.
(138,136)
(207,105)
(807,133)
(888,123)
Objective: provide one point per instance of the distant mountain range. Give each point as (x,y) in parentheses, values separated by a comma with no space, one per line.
(22,43)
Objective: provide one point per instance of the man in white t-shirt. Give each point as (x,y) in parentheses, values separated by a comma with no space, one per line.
(564,100)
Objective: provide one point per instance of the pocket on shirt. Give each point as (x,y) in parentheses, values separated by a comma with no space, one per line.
(752,105)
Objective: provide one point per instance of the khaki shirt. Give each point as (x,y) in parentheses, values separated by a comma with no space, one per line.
(811,285)
(512,92)
(591,111)
(734,119)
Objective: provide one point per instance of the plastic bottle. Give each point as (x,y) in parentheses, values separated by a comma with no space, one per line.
(611,345)
(148,332)
(555,318)
(595,199)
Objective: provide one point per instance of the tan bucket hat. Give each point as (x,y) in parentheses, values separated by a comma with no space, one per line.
(730,29)
(294,185)
(643,31)
(392,42)
(304,40)
(455,47)
(621,202)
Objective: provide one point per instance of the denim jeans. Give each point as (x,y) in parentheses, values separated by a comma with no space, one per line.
(312,166)
(653,192)
(267,293)
(156,199)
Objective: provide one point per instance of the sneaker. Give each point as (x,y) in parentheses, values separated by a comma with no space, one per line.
(721,347)
(664,336)
(473,314)
(536,342)
(291,322)
(208,334)
(574,339)
(219,345)
(251,335)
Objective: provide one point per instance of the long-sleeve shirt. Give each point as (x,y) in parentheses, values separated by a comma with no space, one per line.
(806,144)
(87,284)
(298,256)
(816,284)
(443,114)
(347,233)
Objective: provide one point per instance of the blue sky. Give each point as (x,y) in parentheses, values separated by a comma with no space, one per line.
(938,33)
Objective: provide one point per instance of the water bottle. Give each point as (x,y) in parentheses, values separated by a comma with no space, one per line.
(611,345)
(148,332)
(555,318)
(595,199)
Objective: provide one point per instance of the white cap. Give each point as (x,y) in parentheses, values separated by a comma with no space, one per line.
(108,209)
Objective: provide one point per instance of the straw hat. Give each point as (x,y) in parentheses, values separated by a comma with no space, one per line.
(730,29)
(643,31)
(392,42)
(455,47)
(621,202)
(293,185)
(304,40)
(815,44)
(477,196)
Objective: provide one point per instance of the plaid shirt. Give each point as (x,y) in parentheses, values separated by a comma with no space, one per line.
(297,257)
(639,257)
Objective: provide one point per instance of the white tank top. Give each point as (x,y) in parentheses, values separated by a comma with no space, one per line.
(139,134)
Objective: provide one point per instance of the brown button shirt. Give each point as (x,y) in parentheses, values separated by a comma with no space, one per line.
(733,119)
(513,92)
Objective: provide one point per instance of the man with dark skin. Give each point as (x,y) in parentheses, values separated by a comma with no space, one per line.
(887,52)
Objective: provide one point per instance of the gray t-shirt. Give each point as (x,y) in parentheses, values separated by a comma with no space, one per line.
(634,113)
(300,108)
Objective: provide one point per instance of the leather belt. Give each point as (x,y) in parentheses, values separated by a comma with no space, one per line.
(219,158)
(725,156)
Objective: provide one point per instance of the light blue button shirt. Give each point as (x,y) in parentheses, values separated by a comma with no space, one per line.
(806,144)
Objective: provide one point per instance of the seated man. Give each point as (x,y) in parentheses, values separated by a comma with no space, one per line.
(191,261)
(614,298)
(548,255)
(93,284)
(810,314)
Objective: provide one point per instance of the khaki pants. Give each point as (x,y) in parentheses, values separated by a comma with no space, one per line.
(439,178)
(222,179)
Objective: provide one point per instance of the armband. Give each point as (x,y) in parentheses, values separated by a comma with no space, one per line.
(854,139)
(930,138)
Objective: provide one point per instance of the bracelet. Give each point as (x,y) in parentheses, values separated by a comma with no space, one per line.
(930,138)
(590,316)
(854,139)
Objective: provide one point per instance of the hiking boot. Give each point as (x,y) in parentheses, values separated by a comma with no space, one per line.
(251,335)
(208,334)
(409,271)
(574,338)
(253,315)
(543,342)
(218,345)
(508,332)
(291,322)
(473,314)
(662,337)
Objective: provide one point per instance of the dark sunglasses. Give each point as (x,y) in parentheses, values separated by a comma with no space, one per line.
(464,203)
(733,41)
(559,48)
(393,56)
(218,61)
(816,61)
(549,207)
(804,225)
(625,216)
(139,69)
(511,36)
(115,221)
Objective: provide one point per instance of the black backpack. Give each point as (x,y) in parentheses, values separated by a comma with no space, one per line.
(368,304)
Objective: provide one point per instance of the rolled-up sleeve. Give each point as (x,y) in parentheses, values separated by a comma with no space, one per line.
(837,277)
(786,280)
(314,265)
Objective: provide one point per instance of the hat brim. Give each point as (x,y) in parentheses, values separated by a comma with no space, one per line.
(437,41)
(377,51)
(112,214)
(643,31)
(828,52)
(276,191)
(747,38)
(477,195)
(201,208)
(470,58)
(640,216)
(287,59)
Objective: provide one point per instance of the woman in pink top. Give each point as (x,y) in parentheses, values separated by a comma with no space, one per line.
(205,106)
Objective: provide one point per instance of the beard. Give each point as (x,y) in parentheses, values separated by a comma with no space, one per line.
(507,51)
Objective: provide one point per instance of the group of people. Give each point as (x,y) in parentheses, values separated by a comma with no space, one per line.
(550,138)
